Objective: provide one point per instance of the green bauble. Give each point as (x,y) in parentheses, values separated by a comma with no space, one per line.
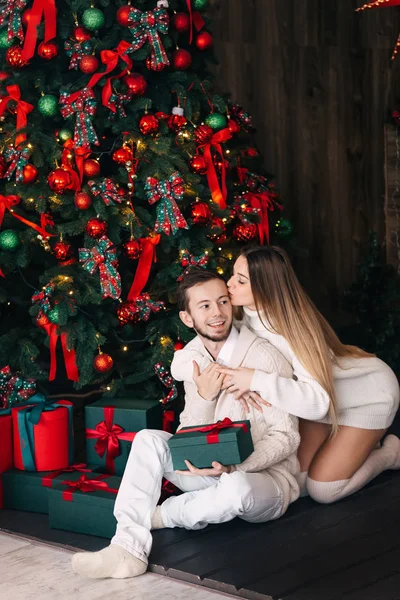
(9,240)
(200,4)
(284,228)
(65,134)
(54,315)
(4,43)
(48,105)
(93,19)
(216,121)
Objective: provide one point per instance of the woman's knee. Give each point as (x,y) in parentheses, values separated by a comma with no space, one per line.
(326,492)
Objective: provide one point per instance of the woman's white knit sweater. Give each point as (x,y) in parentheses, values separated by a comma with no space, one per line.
(367,390)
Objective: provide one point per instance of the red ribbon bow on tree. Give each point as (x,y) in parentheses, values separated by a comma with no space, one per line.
(23,109)
(8,203)
(108,436)
(195,19)
(218,195)
(71,367)
(146,259)
(110,59)
(84,484)
(41,9)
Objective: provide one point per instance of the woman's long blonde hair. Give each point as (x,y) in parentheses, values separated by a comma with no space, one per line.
(284,307)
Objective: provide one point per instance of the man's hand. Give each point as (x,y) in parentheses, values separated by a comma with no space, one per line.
(209,382)
(236,381)
(215,471)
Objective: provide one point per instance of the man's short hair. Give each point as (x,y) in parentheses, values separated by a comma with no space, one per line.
(195,276)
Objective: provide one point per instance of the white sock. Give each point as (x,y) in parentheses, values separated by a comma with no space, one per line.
(114,561)
(302,481)
(382,459)
(157,520)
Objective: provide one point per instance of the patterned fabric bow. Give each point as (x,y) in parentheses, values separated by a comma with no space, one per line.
(76,50)
(116,104)
(241,116)
(144,27)
(13,388)
(167,380)
(43,298)
(106,190)
(12,12)
(18,159)
(84,104)
(169,217)
(189,260)
(22,109)
(103,256)
(146,306)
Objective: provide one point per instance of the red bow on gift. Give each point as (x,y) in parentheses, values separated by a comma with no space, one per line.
(218,195)
(47,481)
(84,484)
(109,434)
(23,109)
(214,429)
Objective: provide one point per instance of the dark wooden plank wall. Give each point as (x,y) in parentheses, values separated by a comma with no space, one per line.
(392,179)
(316,77)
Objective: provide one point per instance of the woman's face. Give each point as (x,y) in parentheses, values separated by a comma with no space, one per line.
(239,286)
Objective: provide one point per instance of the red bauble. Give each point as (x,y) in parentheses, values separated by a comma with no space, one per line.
(135,83)
(122,155)
(218,229)
(252,152)
(233,126)
(201,213)
(198,164)
(178,345)
(59,181)
(132,249)
(159,67)
(181,22)
(128,312)
(204,41)
(181,59)
(82,200)
(4,75)
(48,50)
(62,251)
(123,15)
(29,174)
(14,57)
(103,363)
(203,134)
(96,228)
(176,122)
(245,232)
(3,166)
(91,167)
(89,64)
(81,34)
(148,124)
(26,15)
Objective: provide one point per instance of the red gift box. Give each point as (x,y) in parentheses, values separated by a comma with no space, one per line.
(6,449)
(45,445)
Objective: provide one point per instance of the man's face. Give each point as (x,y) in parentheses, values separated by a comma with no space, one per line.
(210,310)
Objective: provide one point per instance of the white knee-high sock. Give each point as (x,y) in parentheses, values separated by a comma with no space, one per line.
(382,459)
(302,481)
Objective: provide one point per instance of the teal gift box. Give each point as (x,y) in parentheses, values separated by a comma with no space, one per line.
(27,490)
(227,442)
(111,425)
(84,503)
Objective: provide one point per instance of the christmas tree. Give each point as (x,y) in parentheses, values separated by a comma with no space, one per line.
(120,168)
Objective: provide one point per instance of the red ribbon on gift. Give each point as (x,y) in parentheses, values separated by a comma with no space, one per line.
(8,203)
(218,195)
(146,259)
(40,8)
(109,435)
(84,484)
(214,429)
(195,19)
(71,367)
(168,419)
(23,109)
(47,481)
(110,59)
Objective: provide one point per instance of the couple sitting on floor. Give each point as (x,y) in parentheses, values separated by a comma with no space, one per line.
(318,410)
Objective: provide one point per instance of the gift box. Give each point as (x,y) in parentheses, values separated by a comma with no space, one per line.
(111,425)
(228,442)
(27,490)
(6,440)
(43,435)
(84,503)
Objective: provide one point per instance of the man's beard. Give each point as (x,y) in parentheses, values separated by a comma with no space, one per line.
(218,337)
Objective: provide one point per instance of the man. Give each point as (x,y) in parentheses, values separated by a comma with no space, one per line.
(257,490)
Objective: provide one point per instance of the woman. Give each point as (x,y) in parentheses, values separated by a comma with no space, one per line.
(345,398)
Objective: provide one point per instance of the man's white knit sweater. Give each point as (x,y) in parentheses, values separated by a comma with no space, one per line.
(274,432)
(367,390)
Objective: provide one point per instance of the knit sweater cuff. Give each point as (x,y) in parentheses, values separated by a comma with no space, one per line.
(257,384)
(202,410)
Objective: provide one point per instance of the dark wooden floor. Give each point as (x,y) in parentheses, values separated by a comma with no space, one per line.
(348,550)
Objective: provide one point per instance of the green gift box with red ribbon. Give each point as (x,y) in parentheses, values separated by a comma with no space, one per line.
(28,490)
(84,503)
(228,442)
(111,425)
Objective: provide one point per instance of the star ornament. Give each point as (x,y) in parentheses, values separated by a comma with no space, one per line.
(382,4)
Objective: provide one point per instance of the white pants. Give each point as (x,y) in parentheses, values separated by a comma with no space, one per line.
(254,497)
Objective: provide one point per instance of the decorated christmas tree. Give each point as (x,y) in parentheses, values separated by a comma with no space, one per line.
(120,168)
